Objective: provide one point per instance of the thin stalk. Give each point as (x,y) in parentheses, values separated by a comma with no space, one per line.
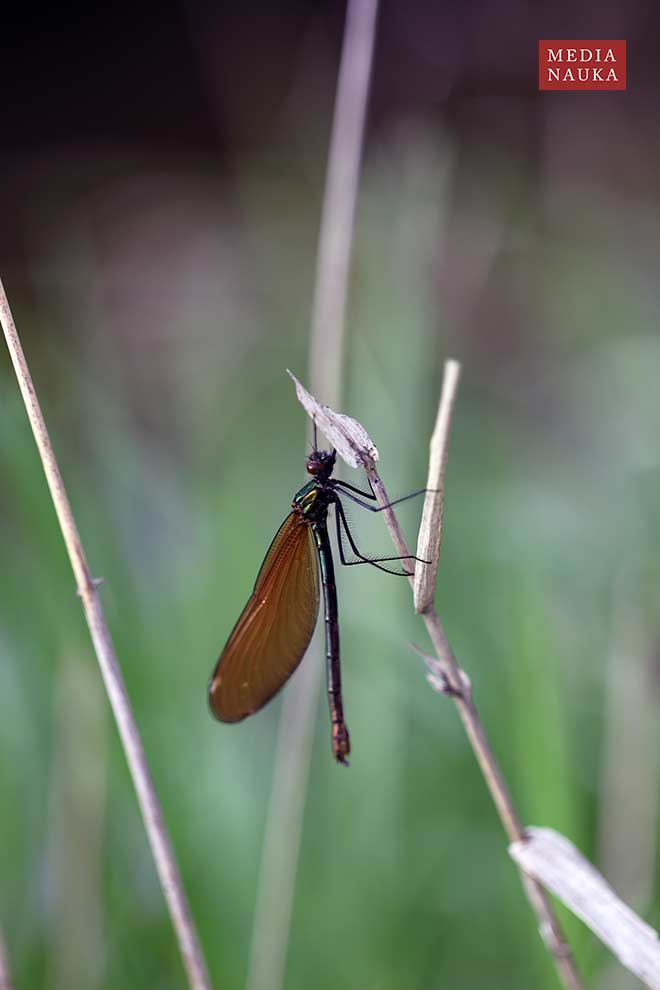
(328,323)
(152,813)
(277,875)
(457,687)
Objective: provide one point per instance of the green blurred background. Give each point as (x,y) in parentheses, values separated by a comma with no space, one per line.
(161,192)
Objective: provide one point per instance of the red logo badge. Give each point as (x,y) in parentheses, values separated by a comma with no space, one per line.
(582,65)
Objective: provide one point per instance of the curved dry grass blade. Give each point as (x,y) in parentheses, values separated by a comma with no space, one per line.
(555,862)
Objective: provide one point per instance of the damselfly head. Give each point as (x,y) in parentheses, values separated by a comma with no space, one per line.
(320,463)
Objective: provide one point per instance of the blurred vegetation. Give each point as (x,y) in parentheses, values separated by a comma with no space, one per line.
(159,310)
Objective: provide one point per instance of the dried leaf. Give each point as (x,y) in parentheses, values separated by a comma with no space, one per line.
(430,530)
(353,443)
(555,862)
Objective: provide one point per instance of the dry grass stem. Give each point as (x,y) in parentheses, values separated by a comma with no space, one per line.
(277,875)
(152,814)
(430,530)
(450,680)
(559,866)
(340,199)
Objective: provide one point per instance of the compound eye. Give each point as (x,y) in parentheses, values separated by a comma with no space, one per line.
(320,462)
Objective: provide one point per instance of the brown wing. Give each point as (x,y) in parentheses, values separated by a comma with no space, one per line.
(274,629)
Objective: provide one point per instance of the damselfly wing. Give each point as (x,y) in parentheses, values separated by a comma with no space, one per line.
(274,629)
